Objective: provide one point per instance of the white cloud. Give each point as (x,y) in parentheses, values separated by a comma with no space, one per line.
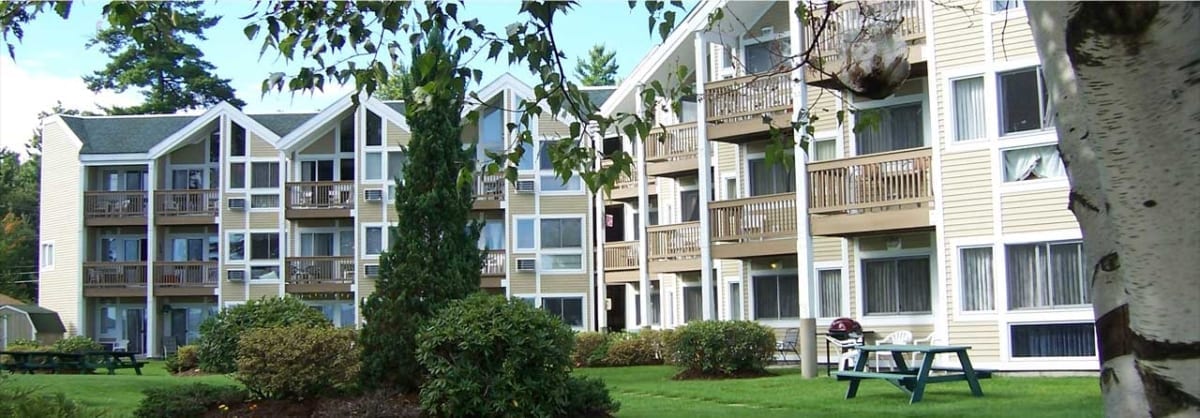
(25,91)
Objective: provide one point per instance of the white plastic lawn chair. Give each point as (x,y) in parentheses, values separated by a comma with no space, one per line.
(902,337)
(849,351)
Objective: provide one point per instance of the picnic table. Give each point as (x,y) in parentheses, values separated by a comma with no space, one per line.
(53,362)
(113,360)
(913,381)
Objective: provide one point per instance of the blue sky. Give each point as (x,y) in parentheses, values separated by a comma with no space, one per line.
(52,59)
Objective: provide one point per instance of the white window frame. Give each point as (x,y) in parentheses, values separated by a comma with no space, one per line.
(1019,7)
(298,167)
(729,299)
(540,173)
(47,247)
(390,190)
(562,251)
(995,98)
(823,136)
(516,245)
(891,101)
(860,305)
(383,239)
(250,247)
(843,286)
(1047,363)
(751,312)
(745,186)
(583,306)
(989,96)
(252,191)
(955,263)
(228,183)
(206,180)
(334,230)
(226,253)
(768,34)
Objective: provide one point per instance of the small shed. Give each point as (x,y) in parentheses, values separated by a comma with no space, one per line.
(29,322)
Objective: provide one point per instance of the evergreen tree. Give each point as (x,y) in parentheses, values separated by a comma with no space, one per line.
(393,88)
(600,69)
(433,256)
(155,55)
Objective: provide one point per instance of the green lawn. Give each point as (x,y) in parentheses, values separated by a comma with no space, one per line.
(649,392)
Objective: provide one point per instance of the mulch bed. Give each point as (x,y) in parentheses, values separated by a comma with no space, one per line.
(372,405)
(699,375)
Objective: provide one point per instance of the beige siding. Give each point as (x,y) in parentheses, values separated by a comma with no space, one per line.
(260,148)
(824,106)
(1035,211)
(190,154)
(554,283)
(776,18)
(232,291)
(366,286)
(522,283)
(323,145)
(259,291)
(827,249)
(550,127)
(397,136)
(264,220)
(852,276)
(1012,39)
(958,36)
(967,193)
(370,212)
(564,205)
(726,160)
(982,336)
(61,207)
(520,204)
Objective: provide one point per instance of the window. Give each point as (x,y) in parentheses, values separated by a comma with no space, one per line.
(1054,340)
(373,166)
(374,130)
(564,262)
(267,273)
(237,246)
(261,201)
(526,161)
(264,175)
(562,233)
(492,235)
(526,237)
(693,303)
(975,272)
(491,133)
(1002,5)
(1046,275)
(214,147)
(187,179)
(731,188)
(237,175)
(396,162)
(655,305)
(264,246)
(569,309)
(735,301)
(766,56)
(321,170)
(897,286)
(768,178)
(776,296)
(897,128)
(689,202)
(373,237)
(829,284)
(549,179)
(346,134)
(1034,163)
(652,213)
(346,170)
(968,109)
(237,146)
(316,244)
(823,149)
(1024,102)
(47,256)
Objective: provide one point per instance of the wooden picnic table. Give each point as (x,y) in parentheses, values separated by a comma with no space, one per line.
(913,381)
(113,360)
(30,362)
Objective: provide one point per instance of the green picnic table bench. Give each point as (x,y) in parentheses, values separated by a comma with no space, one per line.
(113,360)
(913,381)
(30,362)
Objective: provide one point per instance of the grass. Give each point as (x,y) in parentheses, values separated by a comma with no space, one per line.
(650,392)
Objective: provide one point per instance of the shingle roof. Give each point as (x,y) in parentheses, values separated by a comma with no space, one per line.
(599,94)
(44,320)
(120,135)
(282,123)
(396,105)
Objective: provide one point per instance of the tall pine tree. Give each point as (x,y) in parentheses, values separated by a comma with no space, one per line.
(156,56)
(433,257)
(600,68)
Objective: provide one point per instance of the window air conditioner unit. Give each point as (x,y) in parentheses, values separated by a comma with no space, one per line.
(525,186)
(237,204)
(371,270)
(526,264)
(373,195)
(236,275)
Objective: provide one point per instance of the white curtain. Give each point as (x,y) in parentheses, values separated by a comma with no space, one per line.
(879,277)
(1033,163)
(824,150)
(897,286)
(976,274)
(692,303)
(1066,273)
(899,128)
(968,109)
(831,292)
(1027,282)
(915,287)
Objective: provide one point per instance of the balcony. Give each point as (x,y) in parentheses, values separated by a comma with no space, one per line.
(621,261)
(185,278)
(671,150)
(489,192)
(114,279)
(674,248)
(119,208)
(905,16)
(755,226)
(319,274)
(626,186)
(320,199)
(494,269)
(186,207)
(890,191)
(743,109)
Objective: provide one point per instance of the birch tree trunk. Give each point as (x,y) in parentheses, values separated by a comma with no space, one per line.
(1124,79)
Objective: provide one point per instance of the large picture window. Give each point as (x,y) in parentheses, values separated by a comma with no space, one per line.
(897,286)
(550,182)
(264,246)
(776,296)
(264,175)
(899,127)
(1053,340)
(1046,275)
(570,309)
(767,178)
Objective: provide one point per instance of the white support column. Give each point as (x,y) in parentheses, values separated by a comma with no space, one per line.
(804,257)
(644,209)
(284,234)
(705,182)
(598,281)
(151,348)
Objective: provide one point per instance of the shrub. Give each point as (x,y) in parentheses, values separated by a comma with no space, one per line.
(590,349)
(488,356)
(219,334)
(660,342)
(634,351)
(297,362)
(184,359)
(23,344)
(76,344)
(27,402)
(723,348)
(186,401)
(588,398)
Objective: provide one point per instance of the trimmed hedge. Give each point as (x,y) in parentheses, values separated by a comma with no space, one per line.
(186,401)
(297,362)
(185,359)
(723,348)
(219,335)
(76,344)
(594,349)
(590,349)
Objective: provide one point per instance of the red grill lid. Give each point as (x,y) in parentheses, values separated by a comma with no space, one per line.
(845,325)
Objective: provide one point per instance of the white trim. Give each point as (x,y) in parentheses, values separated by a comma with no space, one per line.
(225,254)
(955,278)
(224,108)
(90,160)
(383,239)
(42,266)
(843,289)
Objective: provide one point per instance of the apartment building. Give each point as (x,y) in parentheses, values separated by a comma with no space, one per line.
(946,217)
(153,223)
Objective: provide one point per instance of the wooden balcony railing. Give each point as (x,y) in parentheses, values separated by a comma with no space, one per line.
(187,202)
(755,218)
(320,270)
(675,241)
(320,195)
(871,181)
(489,187)
(114,274)
(621,255)
(120,204)
(676,142)
(848,22)
(186,274)
(748,98)
(494,262)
